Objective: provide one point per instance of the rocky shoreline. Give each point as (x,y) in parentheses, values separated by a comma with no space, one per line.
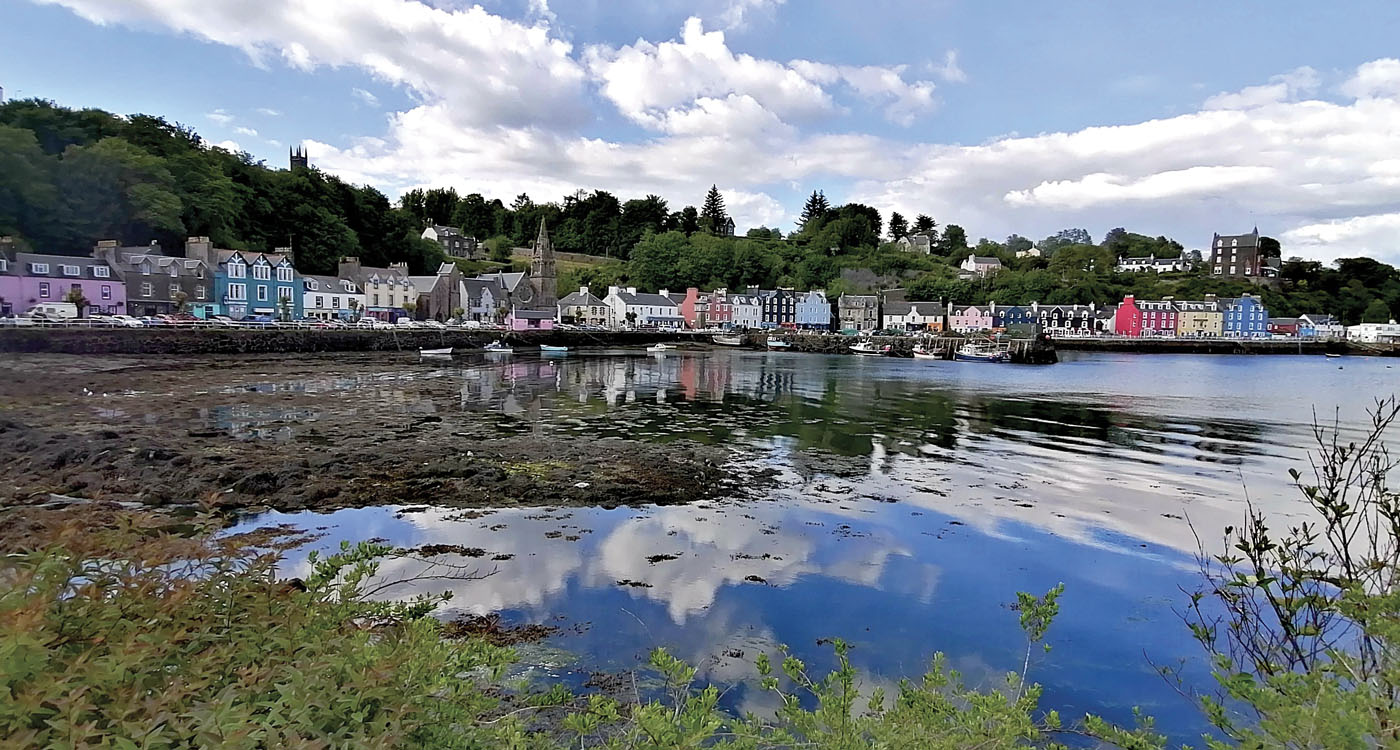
(139,430)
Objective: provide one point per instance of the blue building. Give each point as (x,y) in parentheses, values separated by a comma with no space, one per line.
(1012,315)
(813,311)
(1245,318)
(250,284)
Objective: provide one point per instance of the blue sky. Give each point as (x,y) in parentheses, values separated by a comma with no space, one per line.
(1001,116)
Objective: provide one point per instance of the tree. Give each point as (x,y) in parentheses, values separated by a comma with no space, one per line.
(814,210)
(924,224)
(712,214)
(899,226)
(284,307)
(686,221)
(953,243)
(1018,244)
(409,308)
(1071,236)
(182,303)
(354,306)
(1376,312)
(78,299)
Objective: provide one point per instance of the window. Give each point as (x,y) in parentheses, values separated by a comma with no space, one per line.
(147,289)
(237,270)
(174,290)
(106,291)
(335,303)
(262,293)
(283,293)
(199,292)
(174,270)
(237,291)
(376,300)
(199,272)
(101,272)
(262,273)
(319,301)
(284,273)
(43,289)
(37,268)
(4,264)
(145,269)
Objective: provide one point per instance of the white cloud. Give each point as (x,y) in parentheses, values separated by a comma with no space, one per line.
(539,10)
(231,146)
(1374,235)
(1289,86)
(950,71)
(246,131)
(1378,78)
(365,97)
(219,116)
(737,13)
(511,74)
(268,112)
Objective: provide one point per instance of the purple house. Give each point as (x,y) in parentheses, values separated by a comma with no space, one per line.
(9,282)
(51,278)
(530,320)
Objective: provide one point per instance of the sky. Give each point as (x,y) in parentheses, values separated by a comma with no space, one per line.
(1178,119)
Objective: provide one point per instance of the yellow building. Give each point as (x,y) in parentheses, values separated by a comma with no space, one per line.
(1200,319)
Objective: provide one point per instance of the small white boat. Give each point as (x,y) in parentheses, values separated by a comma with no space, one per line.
(981,352)
(921,353)
(497,347)
(659,348)
(867,349)
(545,348)
(729,340)
(435,352)
(1330,355)
(779,344)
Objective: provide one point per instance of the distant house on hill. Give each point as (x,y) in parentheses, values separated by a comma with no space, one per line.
(979,266)
(1241,255)
(454,243)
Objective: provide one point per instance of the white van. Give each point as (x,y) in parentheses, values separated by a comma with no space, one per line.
(53,311)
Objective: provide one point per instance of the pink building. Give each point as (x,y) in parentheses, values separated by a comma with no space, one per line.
(1127,321)
(530,320)
(689,306)
(970,319)
(1158,317)
(29,279)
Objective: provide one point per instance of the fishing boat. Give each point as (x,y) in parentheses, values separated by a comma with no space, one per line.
(729,340)
(921,353)
(498,347)
(779,344)
(867,349)
(985,351)
(435,352)
(547,349)
(659,348)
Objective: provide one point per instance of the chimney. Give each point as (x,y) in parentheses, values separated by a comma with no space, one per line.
(664,293)
(583,290)
(612,291)
(631,290)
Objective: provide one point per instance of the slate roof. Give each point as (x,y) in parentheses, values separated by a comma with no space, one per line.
(84,264)
(532,314)
(857,300)
(645,298)
(984,260)
(579,299)
(328,284)
(508,281)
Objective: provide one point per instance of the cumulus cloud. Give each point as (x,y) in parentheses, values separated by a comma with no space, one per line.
(1301,82)
(219,116)
(246,131)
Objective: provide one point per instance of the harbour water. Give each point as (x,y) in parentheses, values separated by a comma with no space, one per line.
(912,500)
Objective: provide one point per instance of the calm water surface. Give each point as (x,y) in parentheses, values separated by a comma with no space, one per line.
(916,499)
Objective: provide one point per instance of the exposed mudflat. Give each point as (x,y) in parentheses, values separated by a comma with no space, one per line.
(311,432)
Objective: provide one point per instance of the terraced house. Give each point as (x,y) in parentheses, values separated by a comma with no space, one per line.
(250,284)
(29,279)
(1245,318)
(386,290)
(1200,318)
(330,298)
(159,284)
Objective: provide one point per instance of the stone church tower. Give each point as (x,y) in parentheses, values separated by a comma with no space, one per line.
(542,276)
(298,158)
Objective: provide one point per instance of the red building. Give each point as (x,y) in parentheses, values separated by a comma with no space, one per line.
(689,306)
(1127,320)
(1283,326)
(721,310)
(1158,317)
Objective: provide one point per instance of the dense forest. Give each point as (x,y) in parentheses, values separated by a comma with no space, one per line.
(69,178)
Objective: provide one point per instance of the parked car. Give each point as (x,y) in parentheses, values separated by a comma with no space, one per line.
(434,324)
(53,310)
(127,321)
(223,321)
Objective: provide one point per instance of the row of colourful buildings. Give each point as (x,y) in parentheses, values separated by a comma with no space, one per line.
(207,281)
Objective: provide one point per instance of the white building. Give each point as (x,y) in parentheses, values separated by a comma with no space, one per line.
(912,316)
(628,307)
(979,265)
(1375,333)
(328,298)
(1154,264)
(746,311)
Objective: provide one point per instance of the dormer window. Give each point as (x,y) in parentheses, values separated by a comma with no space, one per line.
(284,273)
(236,269)
(174,270)
(68,270)
(262,272)
(39,268)
(101,272)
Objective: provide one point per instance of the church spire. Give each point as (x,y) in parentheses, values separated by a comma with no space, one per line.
(542,272)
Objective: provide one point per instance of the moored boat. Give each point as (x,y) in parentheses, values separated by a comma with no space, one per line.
(867,349)
(779,344)
(735,340)
(921,353)
(981,352)
(498,347)
(546,348)
(435,352)
(659,348)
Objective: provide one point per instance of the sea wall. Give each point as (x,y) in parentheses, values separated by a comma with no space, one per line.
(1208,346)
